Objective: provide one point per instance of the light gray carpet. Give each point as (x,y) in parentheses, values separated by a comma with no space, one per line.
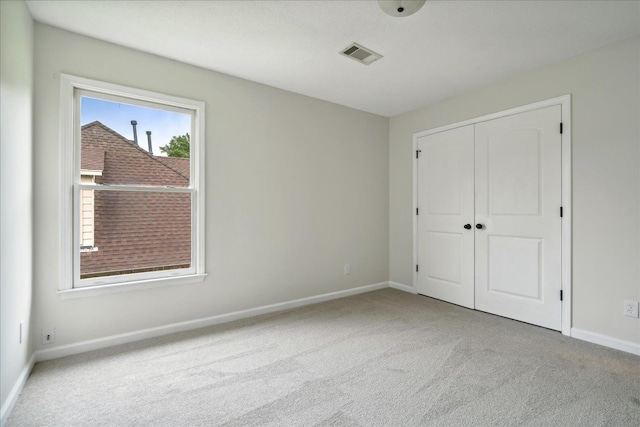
(385,358)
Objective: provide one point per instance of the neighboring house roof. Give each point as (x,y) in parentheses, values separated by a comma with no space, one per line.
(134,231)
(127,163)
(178,164)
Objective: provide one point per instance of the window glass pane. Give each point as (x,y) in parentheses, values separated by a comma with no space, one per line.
(114,151)
(136,232)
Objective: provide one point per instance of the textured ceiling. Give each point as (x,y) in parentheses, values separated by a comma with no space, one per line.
(444,49)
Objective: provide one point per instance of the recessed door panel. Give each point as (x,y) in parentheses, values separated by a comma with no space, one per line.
(514,172)
(444,251)
(445,202)
(515,266)
(443,177)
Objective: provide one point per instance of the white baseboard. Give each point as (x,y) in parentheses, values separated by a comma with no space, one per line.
(401,287)
(83,346)
(607,341)
(12,398)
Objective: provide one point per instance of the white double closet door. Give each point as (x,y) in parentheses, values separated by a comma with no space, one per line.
(488,224)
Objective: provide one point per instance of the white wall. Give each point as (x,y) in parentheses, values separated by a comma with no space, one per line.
(16,212)
(605,85)
(296,188)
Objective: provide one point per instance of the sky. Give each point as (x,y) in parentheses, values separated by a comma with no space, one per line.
(162,124)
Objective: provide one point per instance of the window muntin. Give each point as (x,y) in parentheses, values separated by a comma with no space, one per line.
(152,209)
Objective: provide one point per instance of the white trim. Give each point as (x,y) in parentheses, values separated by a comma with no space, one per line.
(414,207)
(12,398)
(404,288)
(71,88)
(565,108)
(115,288)
(140,188)
(605,340)
(67,168)
(567,220)
(560,100)
(81,347)
(197,176)
(135,95)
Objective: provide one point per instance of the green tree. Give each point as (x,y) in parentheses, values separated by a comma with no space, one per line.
(179,146)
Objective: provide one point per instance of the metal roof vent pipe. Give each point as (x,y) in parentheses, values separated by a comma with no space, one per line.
(135,132)
(149,141)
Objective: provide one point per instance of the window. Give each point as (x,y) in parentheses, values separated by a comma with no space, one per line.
(133,188)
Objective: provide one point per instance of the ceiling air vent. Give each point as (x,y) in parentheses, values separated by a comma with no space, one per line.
(361,54)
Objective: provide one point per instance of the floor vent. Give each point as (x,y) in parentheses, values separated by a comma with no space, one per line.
(361,54)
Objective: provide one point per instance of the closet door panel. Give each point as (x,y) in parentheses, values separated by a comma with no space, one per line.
(445,202)
(517,205)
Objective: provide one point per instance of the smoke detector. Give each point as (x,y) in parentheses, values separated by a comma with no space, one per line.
(360,53)
(401,8)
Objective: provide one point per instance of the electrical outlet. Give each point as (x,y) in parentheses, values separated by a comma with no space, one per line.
(630,308)
(48,336)
(347,269)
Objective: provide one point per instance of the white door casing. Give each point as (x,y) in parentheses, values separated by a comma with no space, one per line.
(522,176)
(518,198)
(445,192)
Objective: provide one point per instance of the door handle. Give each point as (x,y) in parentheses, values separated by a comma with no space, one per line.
(467,226)
(479,226)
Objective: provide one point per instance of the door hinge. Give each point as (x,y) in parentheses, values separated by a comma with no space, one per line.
(561,213)
(561,129)
(417,268)
(560,294)
(418,153)
(416,211)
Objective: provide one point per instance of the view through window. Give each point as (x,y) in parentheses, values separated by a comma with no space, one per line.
(134,202)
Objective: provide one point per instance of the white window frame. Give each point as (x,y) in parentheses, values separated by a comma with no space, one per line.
(71,286)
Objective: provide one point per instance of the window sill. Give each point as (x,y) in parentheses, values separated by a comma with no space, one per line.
(130,286)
